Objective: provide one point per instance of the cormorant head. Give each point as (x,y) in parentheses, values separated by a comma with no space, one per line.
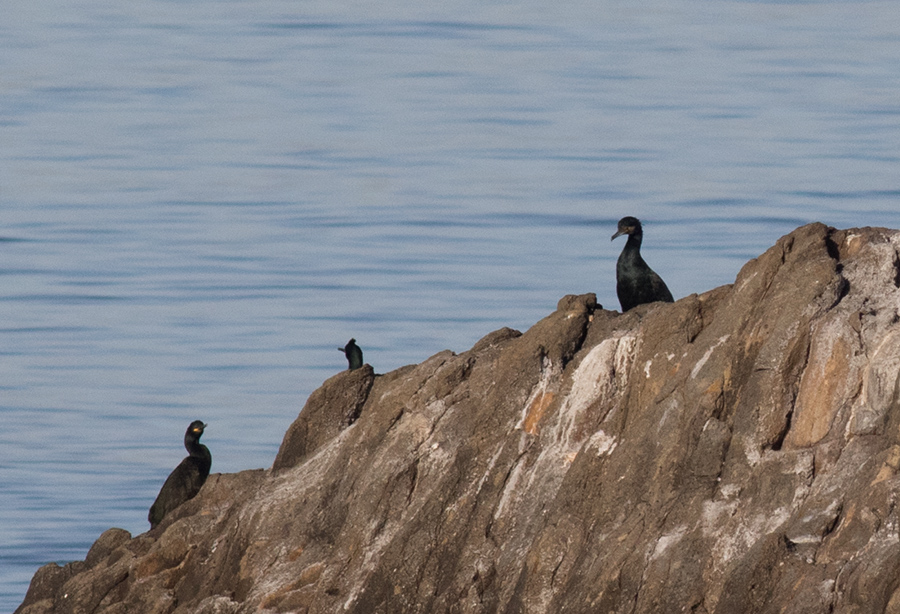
(196,429)
(628,226)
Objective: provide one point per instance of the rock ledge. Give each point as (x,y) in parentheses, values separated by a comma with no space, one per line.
(733,452)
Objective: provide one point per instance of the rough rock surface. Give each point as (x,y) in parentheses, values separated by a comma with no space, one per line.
(733,452)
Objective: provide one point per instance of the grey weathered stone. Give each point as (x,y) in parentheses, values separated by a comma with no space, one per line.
(736,452)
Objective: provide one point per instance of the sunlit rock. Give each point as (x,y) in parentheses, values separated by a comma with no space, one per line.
(734,452)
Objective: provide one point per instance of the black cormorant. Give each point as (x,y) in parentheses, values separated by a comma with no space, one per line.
(353,354)
(636,283)
(187,478)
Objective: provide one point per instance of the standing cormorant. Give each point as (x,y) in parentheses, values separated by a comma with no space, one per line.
(187,478)
(353,354)
(636,283)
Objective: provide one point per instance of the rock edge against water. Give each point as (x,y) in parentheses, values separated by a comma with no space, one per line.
(733,452)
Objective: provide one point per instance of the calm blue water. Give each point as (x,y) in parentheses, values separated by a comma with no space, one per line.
(200,201)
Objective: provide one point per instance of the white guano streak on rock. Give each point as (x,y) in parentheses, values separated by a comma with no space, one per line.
(706,356)
(540,389)
(510,489)
(751,453)
(419,431)
(600,375)
(381,535)
(291,486)
(307,474)
(625,351)
(880,377)
(746,281)
(595,377)
(667,540)
(604,443)
(488,471)
(593,380)
(734,535)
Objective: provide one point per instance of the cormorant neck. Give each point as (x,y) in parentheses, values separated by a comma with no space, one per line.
(634,241)
(202,451)
(194,447)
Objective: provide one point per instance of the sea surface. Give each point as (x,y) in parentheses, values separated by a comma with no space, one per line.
(201,200)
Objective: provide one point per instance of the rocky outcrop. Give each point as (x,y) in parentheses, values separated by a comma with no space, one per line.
(733,452)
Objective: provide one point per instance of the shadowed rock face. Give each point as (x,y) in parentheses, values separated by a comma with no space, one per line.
(733,452)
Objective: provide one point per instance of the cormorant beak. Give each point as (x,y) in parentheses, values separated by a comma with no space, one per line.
(623,231)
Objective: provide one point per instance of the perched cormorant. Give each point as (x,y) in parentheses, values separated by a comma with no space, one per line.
(353,354)
(187,478)
(636,283)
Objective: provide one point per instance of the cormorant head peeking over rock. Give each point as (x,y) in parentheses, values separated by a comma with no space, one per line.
(636,283)
(353,354)
(187,478)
